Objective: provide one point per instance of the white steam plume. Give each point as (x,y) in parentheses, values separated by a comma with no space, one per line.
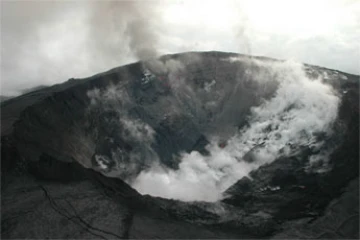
(134,131)
(46,42)
(300,109)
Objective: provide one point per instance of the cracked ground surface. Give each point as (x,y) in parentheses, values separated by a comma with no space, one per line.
(69,211)
(82,210)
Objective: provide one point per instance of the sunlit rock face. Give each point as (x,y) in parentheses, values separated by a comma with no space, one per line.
(256,142)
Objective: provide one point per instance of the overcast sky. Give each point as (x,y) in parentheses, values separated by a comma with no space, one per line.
(47,42)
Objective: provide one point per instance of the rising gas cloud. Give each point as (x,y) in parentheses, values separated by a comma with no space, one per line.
(50,42)
(300,109)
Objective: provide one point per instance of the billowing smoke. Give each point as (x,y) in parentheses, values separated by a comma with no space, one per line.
(115,24)
(293,118)
(114,104)
(111,158)
(45,42)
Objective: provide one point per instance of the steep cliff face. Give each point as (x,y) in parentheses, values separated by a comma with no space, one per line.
(67,150)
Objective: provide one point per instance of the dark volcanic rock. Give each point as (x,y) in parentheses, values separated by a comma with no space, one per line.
(286,190)
(81,120)
(61,146)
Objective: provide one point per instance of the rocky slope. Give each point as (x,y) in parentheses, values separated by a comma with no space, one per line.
(63,146)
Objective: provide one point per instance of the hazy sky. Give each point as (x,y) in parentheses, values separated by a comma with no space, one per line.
(46,42)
